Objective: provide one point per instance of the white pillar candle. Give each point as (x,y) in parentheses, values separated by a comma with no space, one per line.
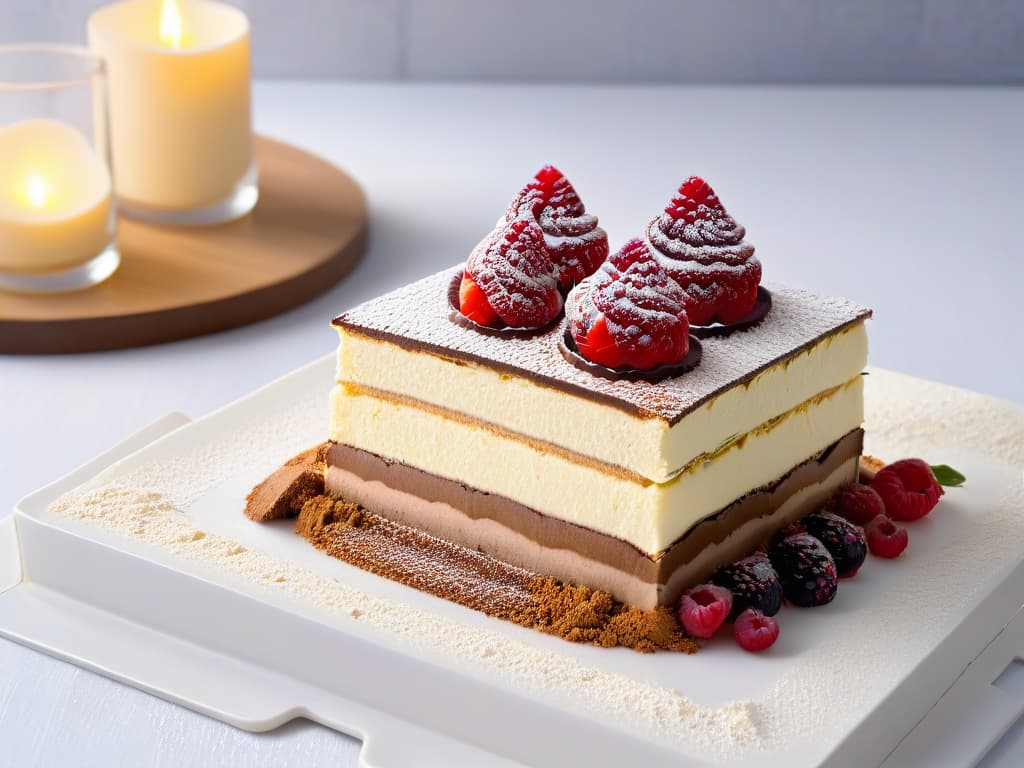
(55,198)
(179,93)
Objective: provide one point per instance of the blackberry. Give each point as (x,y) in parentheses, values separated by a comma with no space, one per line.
(753,583)
(844,540)
(806,570)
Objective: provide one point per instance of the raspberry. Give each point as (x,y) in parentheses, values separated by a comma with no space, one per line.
(806,570)
(629,314)
(754,631)
(844,541)
(702,248)
(885,538)
(908,488)
(512,270)
(858,503)
(577,246)
(753,583)
(703,609)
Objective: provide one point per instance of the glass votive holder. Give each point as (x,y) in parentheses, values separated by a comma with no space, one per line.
(179,82)
(57,217)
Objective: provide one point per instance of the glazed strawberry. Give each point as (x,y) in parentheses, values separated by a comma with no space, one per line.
(702,248)
(473,303)
(754,631)
(908,488)
(511,274)
(576,244)
(703,609)
(629,314)
(858,503)
(885,538)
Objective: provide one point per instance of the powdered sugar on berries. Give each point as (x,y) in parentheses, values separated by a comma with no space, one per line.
(702,248)
(643,309)
(512,268)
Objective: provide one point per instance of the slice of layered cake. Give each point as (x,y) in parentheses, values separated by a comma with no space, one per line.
(610,447)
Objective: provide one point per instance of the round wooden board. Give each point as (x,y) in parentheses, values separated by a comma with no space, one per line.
(307,231)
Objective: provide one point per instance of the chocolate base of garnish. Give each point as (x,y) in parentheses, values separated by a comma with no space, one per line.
(567,346)
(762,306)
(458,318)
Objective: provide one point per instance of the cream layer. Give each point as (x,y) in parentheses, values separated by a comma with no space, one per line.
(648,446)
(648,515)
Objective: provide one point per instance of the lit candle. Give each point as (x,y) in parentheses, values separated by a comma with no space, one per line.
(179,93)
(55,198)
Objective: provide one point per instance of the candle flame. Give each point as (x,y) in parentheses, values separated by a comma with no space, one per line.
(170,24)
(37,191)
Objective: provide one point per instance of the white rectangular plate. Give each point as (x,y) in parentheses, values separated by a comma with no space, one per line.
(151,574)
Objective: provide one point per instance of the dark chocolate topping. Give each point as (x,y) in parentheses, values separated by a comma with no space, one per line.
(762,307)
(567,346)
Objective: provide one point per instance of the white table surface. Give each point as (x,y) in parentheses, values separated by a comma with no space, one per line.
(908,200)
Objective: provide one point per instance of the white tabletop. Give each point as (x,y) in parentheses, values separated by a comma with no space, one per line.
(904,199)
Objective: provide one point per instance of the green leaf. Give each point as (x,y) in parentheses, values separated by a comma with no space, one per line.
(948,476)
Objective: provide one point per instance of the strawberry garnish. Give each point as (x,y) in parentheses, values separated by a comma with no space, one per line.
(511,273)
(473,303)
(629,314)
(576,244)
(702,247)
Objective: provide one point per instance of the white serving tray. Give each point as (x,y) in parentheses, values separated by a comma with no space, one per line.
(256,656)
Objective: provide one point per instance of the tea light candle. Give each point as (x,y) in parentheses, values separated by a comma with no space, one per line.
(55,198)
(179,94)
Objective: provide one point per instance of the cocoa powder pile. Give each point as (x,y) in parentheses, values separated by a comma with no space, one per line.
(484,583)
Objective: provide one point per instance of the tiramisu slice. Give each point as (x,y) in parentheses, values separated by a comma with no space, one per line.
(610,448)
(503,445)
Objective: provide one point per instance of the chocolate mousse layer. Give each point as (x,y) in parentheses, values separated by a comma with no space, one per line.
(522,536)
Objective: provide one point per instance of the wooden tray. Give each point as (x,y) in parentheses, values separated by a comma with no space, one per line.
(307,231)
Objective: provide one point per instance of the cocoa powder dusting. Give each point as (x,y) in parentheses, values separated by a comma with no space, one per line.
(283,493)
(481,582)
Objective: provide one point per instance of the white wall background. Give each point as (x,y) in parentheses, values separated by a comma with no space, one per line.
(792,41)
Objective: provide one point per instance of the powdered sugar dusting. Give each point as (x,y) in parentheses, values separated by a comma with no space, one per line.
(419,312)
(576,245)
(512,267)
(642,307)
